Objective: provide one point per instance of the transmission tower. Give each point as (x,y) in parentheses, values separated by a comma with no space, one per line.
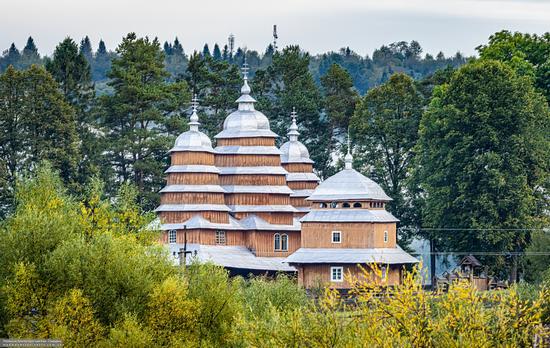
(275,37)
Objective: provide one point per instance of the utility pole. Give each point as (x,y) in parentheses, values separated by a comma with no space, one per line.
(182,253)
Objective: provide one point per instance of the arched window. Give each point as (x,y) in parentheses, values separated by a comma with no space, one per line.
(277,242)
(322,205)
(357,205)
(334,205)
(386,236)
(346,205)
(172,234)
(284,242)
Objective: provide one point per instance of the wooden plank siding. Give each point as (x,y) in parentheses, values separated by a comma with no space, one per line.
(191,198)
(273,218)
(298,167)
(302,185)
(245,160)
(354,235)
(257,199)
(259,141)
(262,243)
(182,216)
(192,179)
(311,276)
(191,157)
(253,179)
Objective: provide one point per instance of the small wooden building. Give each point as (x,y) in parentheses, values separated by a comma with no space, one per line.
(471,270)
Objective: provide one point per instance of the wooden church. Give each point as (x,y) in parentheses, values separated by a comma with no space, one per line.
(254,208)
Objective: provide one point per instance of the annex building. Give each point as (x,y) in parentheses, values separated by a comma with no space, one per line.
(254,208)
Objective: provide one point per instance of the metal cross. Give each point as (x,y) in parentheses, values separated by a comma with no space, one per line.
(245,69)
(195,102)
(293,114)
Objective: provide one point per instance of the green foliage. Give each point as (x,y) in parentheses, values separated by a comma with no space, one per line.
(340,97)
(483,159)
(142,117)
(385,129)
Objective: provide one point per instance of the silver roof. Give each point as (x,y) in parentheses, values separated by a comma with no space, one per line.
(193,188)
(193,139)
(199,222)
(248,150)
(303,209)
(262,208)
(348,215)
(348,184)
(192,148)
(192,207)
(192,169)
(301,193)
(294,151)
(257,189)
(246,121)
(253,170)
(302,177)
(389,256)
(232,257)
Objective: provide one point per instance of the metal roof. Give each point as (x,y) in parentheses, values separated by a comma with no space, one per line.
(236,133)
(294,152)
(302,193)
(232,257)
(390,256)
(254,222)
(248,150)
(263,170)
(262,208)
(192,169)
(192,207)
(302,177)
(348,184)
(257,189)
(192,149)
(199,222)
(348,215)
(193,188)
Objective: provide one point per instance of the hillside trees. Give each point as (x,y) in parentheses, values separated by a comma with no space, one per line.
(340,97)
(142,116)
(483,161)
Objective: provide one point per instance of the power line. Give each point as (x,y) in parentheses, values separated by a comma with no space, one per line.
(485,253)
(474,229)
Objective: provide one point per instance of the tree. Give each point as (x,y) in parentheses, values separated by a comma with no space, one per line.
(340,97)
(29,55)
(175,61)
(86,49)
(102,63)
(483,161)
(206,51)
(11,57)
(217,53)
(37,124)
(385,129)
(141,118)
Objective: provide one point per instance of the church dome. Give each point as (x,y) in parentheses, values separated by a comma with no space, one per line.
(246,121)
(193,139)
(293,151)
(348,184)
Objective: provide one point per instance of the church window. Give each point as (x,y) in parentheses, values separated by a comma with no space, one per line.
(284,242)
(322,205)
(172,236)
(345,205)
(336,236)
(277,242)
(220,237)
(385,236)
(357,205)
(337,274)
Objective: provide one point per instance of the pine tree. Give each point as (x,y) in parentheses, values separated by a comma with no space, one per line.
(177,47)
(206,51)
(12,57)
(217,53)
(167,48)
(226,55)
(176,62)
(86,49)
(29,55)
(102,63)
(141,117)
(340,97)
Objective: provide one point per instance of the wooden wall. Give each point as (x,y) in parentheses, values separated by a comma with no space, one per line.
(315,275)
(191,157)
(354,235)
(298,167)
(253,179)
(191,198)
(182,216)
(261,243)
(274,218)
(245,160)
(192,179)
(260,141)
(257,199)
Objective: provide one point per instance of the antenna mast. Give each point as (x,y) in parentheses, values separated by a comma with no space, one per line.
(275,37)
(231,41)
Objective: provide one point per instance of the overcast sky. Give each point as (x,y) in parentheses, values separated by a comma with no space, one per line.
(316,25)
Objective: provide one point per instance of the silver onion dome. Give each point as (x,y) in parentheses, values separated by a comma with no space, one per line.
(294,151)
(246,121)
(193,139)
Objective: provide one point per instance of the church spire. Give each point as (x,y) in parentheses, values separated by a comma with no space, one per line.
(293,130)
(245,101)
(194,119)
(349,158)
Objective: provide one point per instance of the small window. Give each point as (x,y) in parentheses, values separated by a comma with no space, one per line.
(277,242)
(172,236)
(284,242)
(336,236)
(334,205)
(346,205)
(337,274)
(322,205)
(385,236)
(384,271)
(357,205)
(220,237)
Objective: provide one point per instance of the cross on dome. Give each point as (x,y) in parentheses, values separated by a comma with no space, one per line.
(194,119)
(348,159)
(293,130)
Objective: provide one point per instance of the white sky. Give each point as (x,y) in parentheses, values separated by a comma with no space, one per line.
(316,25)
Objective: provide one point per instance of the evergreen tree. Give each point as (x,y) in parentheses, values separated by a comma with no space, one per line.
(29,55)
(177,48)
(206,51)
(483,162)
(226,55)
(385,130)
(167,48)
(36,124)
(12,57)
(217,53)
(86,49)
(141,118)
(176,61)
(102,63)
(340,97)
